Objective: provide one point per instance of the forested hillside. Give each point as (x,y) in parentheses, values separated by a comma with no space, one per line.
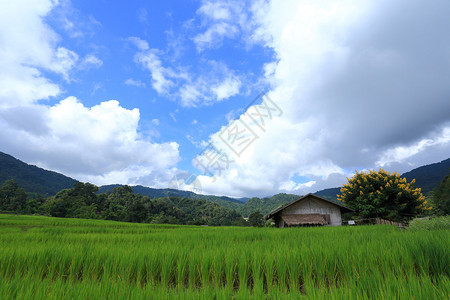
(121,204)
(32,178)
(227,202)
(329,194)
(429,177)
(47,183)
(265,205)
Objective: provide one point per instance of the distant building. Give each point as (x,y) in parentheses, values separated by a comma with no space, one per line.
(310,210)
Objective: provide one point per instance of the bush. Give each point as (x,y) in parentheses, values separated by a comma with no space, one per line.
(383,194)
(430,223)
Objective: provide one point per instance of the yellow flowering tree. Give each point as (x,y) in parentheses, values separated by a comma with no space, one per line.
(383,194)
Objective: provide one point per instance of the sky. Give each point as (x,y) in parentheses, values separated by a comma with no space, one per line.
(236,98)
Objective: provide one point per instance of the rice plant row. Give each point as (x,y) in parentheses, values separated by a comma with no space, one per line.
(51,258)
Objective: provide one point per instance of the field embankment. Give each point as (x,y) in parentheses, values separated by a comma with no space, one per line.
(51,258)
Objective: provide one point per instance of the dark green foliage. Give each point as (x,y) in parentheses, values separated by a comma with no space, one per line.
(12,197)
(152,193)
(32,178)
(78,202)
(256,219)
(266,205)
(441,197)
(122,204)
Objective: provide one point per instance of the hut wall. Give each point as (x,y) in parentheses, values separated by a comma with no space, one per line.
(313,205)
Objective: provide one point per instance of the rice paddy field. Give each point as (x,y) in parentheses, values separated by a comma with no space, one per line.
(52,258)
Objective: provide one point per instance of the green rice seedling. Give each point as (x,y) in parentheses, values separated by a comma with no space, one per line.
(231,265)
(293,261)
(50,258)
(219,267)
(182,270)
(257,271)
(244,270)
(206,268)
(194,271)
(281,272)
(168,269)
(268,272)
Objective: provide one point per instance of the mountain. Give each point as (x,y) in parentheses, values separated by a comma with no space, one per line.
(329,194)
(32,178)
(430,176)
(265,205)
(40,181)
(152,193)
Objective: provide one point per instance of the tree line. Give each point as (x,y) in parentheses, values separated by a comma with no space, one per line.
(120,204)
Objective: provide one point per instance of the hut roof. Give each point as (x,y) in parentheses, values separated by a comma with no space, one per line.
(306,219)
(276,211)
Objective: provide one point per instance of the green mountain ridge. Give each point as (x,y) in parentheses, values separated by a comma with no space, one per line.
(429,176)
(263,205)
(33,179)
(47,183)
(231,203)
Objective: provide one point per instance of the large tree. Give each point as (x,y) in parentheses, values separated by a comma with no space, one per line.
(12,197)
(256,219)
(382,194)
(441,197)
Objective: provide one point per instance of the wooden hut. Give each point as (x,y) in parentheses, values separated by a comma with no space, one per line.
(309,210)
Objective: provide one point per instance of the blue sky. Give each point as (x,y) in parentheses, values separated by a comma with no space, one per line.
(132,92)
(113,33)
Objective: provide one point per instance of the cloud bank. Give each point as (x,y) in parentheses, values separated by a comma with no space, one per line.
(100,144)
(362,85)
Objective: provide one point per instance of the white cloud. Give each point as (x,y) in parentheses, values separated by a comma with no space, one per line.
(90,61)
(220,20)
(216,10)
(99,144)
(142,16)
(213,83)
(28,46)
(214,35)
(150,60)
(360,84)
(139,43)
(198,144)
(216,83)
(64,60)
(402,153)
(133,82)
(228,88)
(172,116)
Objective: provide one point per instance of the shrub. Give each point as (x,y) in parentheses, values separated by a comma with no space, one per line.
(430,223)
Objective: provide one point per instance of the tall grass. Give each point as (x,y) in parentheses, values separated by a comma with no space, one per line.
(50,258)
